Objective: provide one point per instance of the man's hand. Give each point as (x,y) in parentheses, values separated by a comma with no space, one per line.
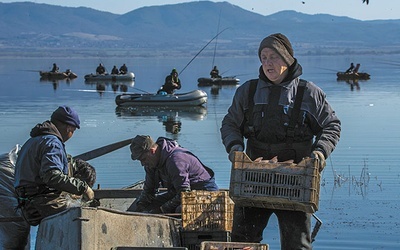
(89,194)
(319,156)
(232,151)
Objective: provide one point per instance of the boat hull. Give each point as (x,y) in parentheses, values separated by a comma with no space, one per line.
(110,77)
(193,98)
(206,81)
(101,228)
(47,75)
(343,76)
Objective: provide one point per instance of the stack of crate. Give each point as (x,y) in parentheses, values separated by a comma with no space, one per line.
(206,216)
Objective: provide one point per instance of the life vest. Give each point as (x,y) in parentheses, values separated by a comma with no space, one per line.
(286,150)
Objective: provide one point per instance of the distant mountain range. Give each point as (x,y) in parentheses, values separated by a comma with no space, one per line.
(28,27)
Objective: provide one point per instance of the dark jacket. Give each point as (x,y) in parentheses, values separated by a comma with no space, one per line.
(317,123)
(168,85)
(43,162)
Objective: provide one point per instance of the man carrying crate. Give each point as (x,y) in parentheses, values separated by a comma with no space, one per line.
(280,115)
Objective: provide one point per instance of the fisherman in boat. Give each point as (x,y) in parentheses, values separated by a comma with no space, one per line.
(123,69)
(55,68)
(176,168)
(215,73)
(15,235)
(172,82)
(115,70)
(42,168)
(101,70)
(68,73)
(350,69)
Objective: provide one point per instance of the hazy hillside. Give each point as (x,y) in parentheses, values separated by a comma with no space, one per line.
(185,27)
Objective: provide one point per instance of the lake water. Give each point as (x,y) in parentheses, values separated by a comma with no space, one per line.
(359,200)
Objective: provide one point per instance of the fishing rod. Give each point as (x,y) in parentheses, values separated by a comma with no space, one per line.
(202,50)
(29,70)
(327,69)
(144,91)
(216,40)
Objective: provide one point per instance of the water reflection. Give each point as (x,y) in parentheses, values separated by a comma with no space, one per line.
(170,117)
(353,84)
(55,83)
(102,86)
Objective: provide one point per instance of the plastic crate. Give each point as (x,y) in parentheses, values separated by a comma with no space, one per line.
(213,245)
(282,185)
(192,239)
(207,211)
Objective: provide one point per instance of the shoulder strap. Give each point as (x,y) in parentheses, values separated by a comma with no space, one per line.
(247,126)
(295,111)
(252,91)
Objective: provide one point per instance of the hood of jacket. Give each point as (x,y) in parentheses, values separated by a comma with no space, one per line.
(45,128)
(167,147)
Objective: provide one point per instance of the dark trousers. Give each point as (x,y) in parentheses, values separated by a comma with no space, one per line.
(295,226)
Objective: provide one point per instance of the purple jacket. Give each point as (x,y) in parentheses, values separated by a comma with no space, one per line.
(178,170)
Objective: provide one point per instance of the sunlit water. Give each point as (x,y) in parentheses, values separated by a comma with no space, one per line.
(359,200)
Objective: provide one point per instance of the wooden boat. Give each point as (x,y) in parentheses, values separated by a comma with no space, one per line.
(130,76)
(108,226)
(207,81)
(48,75)
(343,76)
(193,98)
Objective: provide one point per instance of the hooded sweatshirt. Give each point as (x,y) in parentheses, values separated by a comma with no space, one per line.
(178,170)
(43,162)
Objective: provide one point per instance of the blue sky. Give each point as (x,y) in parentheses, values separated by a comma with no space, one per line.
(377,9)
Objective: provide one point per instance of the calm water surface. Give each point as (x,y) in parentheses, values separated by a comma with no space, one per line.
(359,199)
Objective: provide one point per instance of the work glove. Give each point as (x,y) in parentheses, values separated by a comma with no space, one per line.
(234,148)
(89,194)
(320,158)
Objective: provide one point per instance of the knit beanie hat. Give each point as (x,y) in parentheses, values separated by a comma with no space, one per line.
(66,115)
(281,44)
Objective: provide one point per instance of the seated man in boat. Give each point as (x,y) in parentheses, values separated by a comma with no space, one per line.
(215,73)
(42,171)
(172,82)
(350,69)
(115,70)
(123,69)
(175,168)
(55,68)
(101,70)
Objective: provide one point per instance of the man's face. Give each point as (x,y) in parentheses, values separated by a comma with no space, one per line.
(148,159)
(70,130)
(273,65)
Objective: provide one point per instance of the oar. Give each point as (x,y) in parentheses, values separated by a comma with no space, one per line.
(103,150)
